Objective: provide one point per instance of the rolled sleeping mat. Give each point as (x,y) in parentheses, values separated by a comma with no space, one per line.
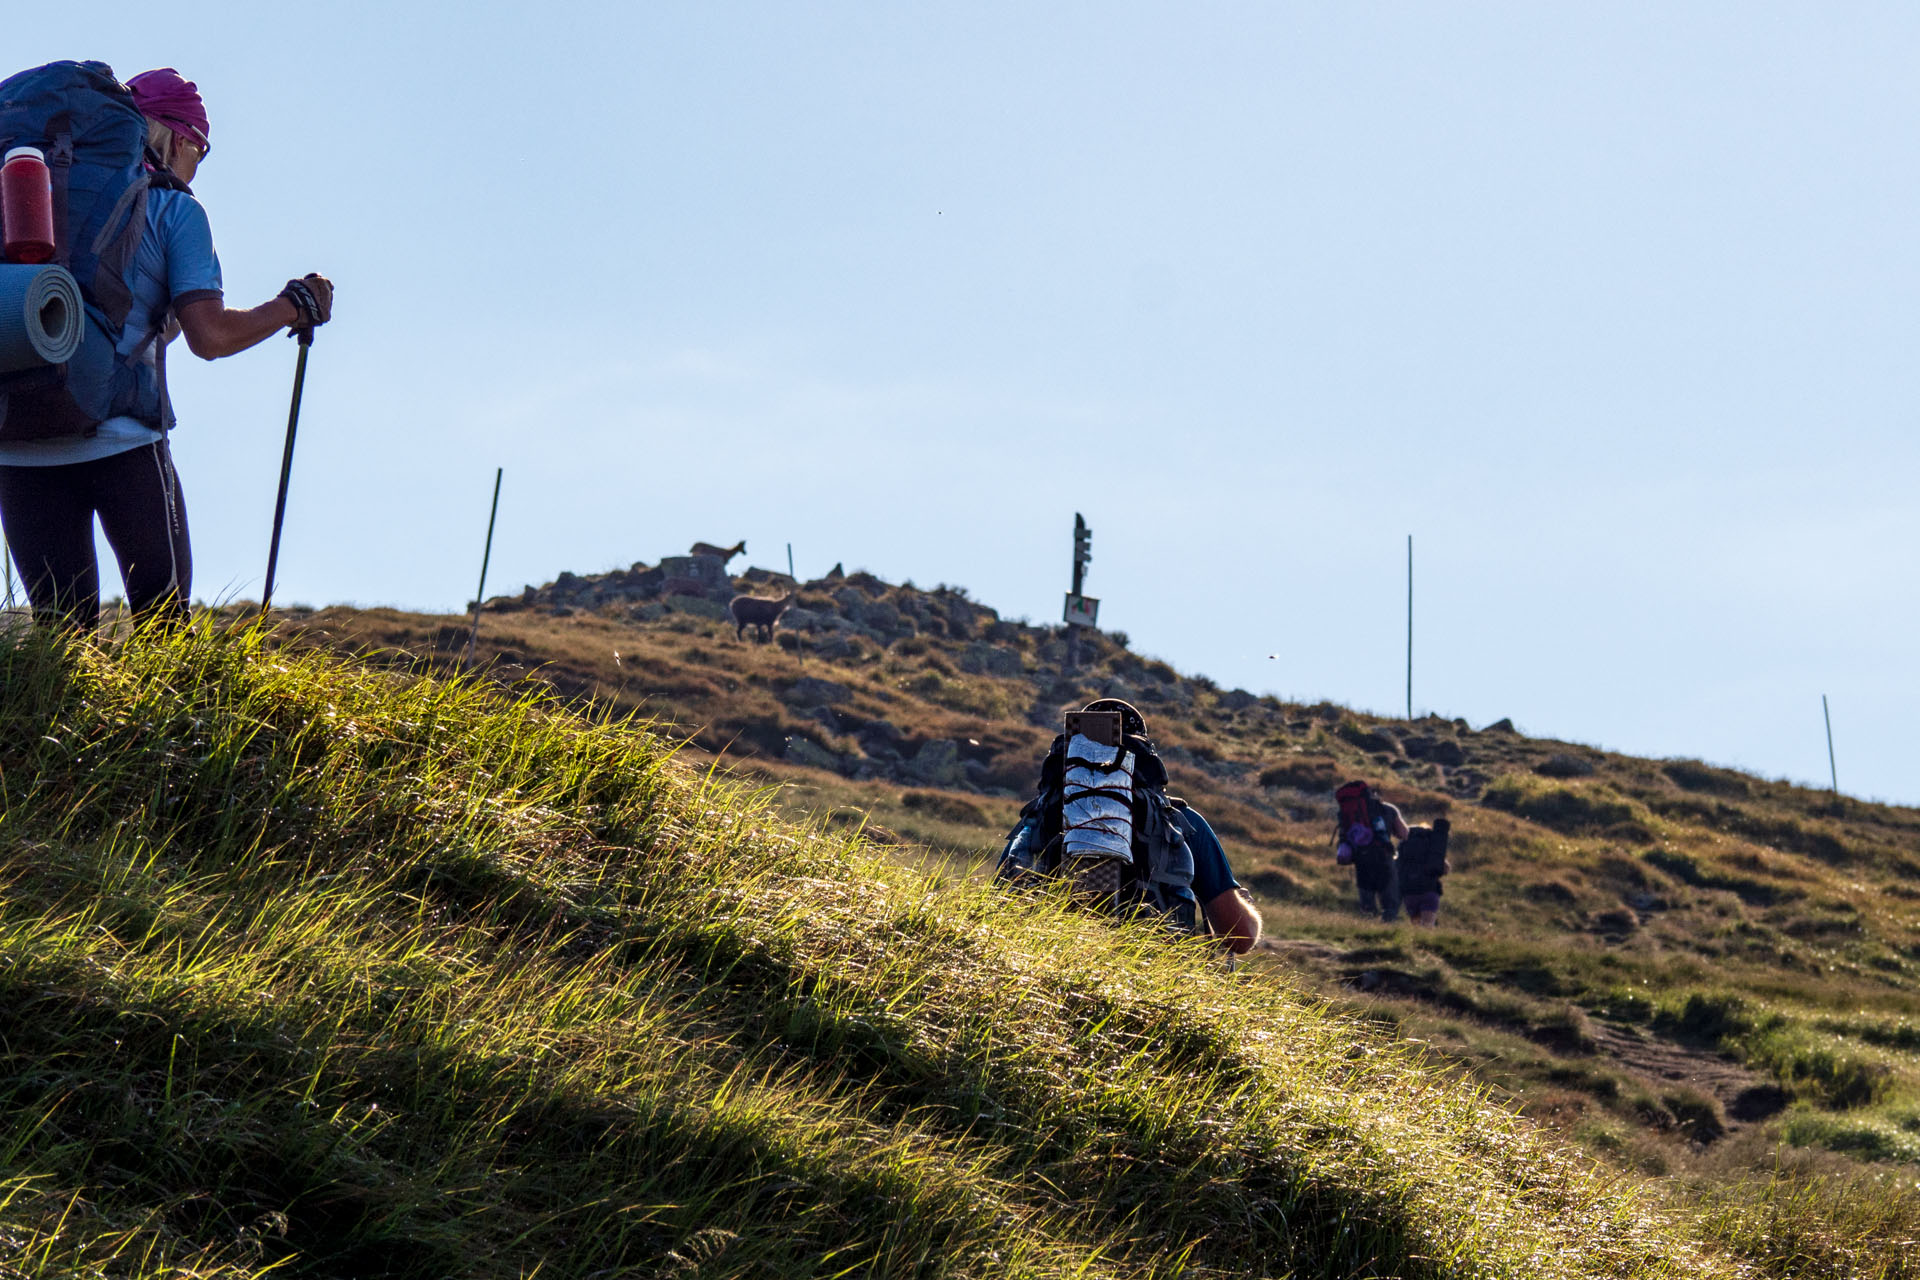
(41,316)
(1096,812)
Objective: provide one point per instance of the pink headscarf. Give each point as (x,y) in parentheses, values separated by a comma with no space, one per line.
(167,96)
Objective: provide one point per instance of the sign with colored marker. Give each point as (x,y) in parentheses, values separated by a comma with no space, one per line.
(1082,611)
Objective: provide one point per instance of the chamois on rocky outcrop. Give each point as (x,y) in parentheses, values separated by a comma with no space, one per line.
(725,553)
(759,613)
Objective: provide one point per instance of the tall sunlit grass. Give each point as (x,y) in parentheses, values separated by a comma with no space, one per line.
(312,968)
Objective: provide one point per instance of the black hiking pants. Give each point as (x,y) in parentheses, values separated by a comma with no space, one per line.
(1378,882)
(48,515)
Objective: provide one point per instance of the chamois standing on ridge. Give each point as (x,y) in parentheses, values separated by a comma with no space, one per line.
(725,553)
(759,613)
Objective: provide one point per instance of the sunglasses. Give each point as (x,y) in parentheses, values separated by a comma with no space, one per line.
(199,144)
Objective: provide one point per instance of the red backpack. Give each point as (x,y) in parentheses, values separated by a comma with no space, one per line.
(1360,822)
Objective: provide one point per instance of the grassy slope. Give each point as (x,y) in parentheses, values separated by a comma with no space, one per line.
(1691,970)
(303,964)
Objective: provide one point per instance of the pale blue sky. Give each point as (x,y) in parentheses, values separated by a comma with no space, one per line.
(1612,307)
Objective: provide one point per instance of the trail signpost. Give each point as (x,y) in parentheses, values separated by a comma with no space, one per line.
(1082,610)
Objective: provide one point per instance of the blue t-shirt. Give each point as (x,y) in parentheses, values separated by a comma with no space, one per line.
(1211,874)
(174,265)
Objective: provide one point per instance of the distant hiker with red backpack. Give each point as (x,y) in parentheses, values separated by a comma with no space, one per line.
(89,438)
(1364,832)
(1103,822)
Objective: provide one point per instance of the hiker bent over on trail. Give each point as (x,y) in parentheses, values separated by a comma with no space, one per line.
(140,247)
(1103,821)
(1364,833)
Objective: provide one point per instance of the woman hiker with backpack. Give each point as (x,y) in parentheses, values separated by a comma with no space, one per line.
(1364,832)
(61,466)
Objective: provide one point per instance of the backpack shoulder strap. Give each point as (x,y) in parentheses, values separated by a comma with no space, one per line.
(1169,854)
(1148,769)
(114,248)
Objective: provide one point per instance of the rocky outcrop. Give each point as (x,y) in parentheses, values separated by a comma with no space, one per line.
(937,763)
(843,624)
(811,691)
(982,659)
(805,751)
(1441,751)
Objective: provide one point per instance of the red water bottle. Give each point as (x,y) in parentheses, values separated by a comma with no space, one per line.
(26,205)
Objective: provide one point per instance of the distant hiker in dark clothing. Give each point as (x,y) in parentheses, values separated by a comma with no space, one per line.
(1422,863)
(1363,835)
(94,442)
(1103,822)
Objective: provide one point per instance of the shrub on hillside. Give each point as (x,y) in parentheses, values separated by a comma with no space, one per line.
(1864,1138)
(1568,809)
(945,808)
(1313,774)
(1689,870)
(1692,775)
(1789,834)
(1708,1016)
(1695,1114)
(1819,1069)
(1565,765)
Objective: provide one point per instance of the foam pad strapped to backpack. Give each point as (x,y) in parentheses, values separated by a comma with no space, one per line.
(40,316)
(1096,812)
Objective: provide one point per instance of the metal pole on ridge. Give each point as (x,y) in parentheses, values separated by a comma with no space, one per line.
(305,338)
(480,593)
(799,641)
(1833,770)
(1409,626)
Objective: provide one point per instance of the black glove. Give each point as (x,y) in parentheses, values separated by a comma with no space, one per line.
(312,298)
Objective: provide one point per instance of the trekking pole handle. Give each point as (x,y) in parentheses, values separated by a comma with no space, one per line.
(303,336)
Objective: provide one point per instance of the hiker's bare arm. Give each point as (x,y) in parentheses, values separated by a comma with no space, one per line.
(1398,826)
(1234,921)
(214,329)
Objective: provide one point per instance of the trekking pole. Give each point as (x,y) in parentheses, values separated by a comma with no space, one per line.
(473,636)
(305,338)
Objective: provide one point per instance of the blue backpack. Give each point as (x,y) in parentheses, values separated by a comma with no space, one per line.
(95,140)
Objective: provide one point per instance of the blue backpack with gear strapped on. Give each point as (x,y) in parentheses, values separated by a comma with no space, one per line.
(95,140)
